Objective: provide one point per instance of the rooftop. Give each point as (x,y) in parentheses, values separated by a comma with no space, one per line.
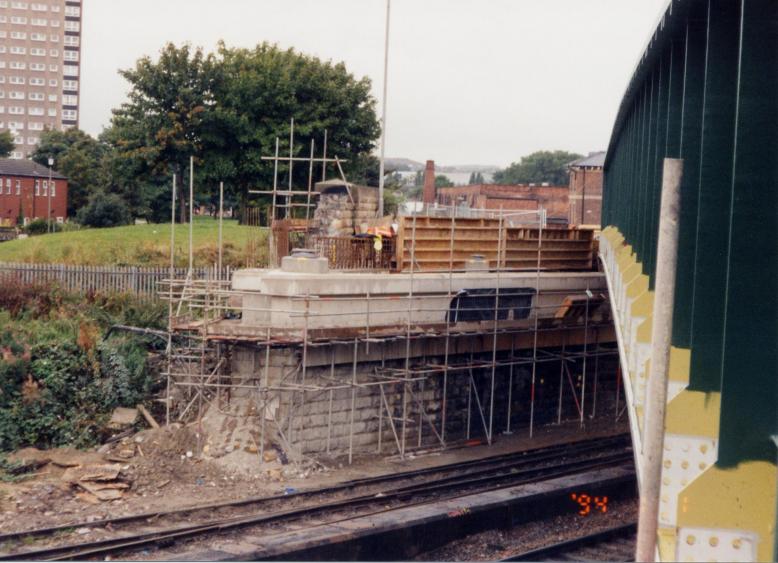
(596,159)
(15,167)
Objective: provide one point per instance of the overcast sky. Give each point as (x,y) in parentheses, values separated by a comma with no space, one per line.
(470,81)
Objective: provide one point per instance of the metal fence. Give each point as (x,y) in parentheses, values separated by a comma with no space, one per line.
(139,281)
(354,253)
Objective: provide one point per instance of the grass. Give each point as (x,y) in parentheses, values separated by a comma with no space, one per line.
(142,245)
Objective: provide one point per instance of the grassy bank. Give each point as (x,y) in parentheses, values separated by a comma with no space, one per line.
(141,245)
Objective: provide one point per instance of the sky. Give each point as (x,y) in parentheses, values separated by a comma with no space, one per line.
(470,81)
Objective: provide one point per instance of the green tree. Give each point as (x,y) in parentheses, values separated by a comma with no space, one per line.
(442,181)
(538,167)
(6,144)
(80,158)
(257,91)
(226,109)
(160,126)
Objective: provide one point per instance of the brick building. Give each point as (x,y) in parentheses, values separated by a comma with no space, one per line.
(25,186)
(510,197)
(586,189)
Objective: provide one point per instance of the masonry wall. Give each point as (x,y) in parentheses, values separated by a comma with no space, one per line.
(586,195)
(322,422)
(508,196)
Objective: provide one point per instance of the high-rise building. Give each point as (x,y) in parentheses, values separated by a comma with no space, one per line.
(40,63)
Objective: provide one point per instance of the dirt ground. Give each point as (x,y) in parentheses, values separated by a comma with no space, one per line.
(161,472)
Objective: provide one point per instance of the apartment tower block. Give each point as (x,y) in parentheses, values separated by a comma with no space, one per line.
(40,60)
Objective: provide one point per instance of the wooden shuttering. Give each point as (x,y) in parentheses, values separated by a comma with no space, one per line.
(443,243)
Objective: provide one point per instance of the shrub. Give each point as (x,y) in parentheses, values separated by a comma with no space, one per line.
(104,210)
(41,227)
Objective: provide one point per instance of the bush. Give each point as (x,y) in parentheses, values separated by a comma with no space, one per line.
(41,227)
(104,210)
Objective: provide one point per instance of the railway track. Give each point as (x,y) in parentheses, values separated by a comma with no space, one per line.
(613,544)
(343,501)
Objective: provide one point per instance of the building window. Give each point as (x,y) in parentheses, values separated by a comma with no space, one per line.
(2,110)
(35,126)
(39,22)
(53,68)
(39,7)
(69,100)
(18,35)
(18,65)
(18,50)
(16,110)
(16,95)
(54,53)
(2,94)
(8,185)
(70,84)
(17,80)
(37,187)
(36,111)
(18,140)
(53,189)
(37,96)
(55,8)
(37,81)
(37,36)
(71,56)
(2,49)
(72,40)
(19,20)
(18,187)
(53,98)
(70,70)
(72,26)
(38,66)
(53,82)
(52,112)
(54,38)
(32,140)
(19,5)
(69,114)
(36,52)
(73,11)
(54,23)
(45,188)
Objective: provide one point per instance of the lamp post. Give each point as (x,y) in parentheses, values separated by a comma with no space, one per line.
(48,197)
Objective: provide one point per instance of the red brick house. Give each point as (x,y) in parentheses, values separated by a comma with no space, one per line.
(510,197)
(586,189)
(25,186)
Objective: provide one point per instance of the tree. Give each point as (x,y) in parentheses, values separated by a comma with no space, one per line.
(538,167)
(257,91)
(6,144)
(78,156)
(161,125)
(442,181)
(104,210)
(226,109)
(476,178)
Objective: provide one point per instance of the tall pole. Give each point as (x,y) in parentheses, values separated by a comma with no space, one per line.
(661,331)
(383,117)
(171,275)
(221,220)
(48,194)
(191,213)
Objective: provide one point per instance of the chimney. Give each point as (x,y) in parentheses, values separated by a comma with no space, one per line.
(428,195)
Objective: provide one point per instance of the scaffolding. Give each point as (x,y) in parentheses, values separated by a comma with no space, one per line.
(200,346)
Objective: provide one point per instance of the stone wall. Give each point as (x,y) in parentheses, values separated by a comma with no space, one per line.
(322,422)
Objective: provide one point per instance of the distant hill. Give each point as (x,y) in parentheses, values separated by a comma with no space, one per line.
(409,165)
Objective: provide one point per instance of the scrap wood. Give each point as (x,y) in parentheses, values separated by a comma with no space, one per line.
(96,472)
(94,487)
(88,497)
(147,415)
